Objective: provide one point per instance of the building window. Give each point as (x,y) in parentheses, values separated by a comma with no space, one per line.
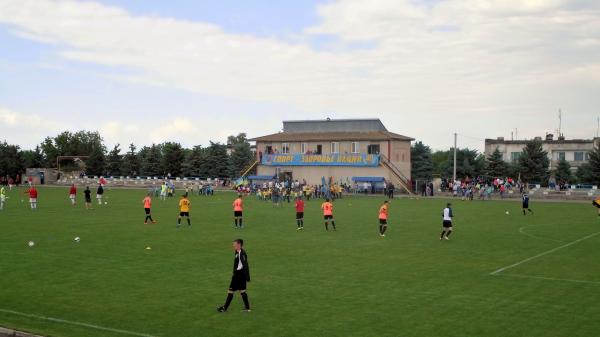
(587,156)
(354,147)
(285,148)
(335,147)
(319,149)
(373,149)
(303,148)
(561,156)
(514,156)
(579,155)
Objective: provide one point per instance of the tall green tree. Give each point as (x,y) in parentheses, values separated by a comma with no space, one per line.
(534,163)
(422,162)
(496,166)
(594,166)
(11,160)
(150,158)
(172,158)
(192,163)
(469,163)
(131,162)
(584,174)
(241,154)
(95,165)
(563,173)
(113,161)
(216,164)
(33,158)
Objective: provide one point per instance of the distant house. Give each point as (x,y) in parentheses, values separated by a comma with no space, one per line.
(353,150)
(574,151)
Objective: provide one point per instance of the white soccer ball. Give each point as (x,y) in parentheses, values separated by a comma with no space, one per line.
(106,202)
(507,213)
(31,243)
(77,239)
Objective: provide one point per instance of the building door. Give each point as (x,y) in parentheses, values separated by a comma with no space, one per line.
(319,149)
(269,149)
(373,149)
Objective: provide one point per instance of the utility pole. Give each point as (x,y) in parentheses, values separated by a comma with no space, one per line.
(454,175)
(598,127)
(559,122)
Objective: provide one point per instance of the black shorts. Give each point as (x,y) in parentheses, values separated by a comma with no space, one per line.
(147,211)
(328,217)
(237,214)
(299,215)
(88,200)
(184,214)
(447,223)
(525,206)
(383,221)
(238,282)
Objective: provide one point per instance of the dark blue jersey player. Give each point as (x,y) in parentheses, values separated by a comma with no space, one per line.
(525,199)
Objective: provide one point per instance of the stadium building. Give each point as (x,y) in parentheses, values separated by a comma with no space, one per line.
(344,150)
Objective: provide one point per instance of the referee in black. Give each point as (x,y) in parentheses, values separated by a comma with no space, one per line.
(241,275)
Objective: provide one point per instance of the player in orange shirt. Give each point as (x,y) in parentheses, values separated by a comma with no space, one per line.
(327,208)
(238,209)
(383,216)
(147,206)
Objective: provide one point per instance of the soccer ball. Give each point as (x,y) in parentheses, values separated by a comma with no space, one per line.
(507,213)
(31,243)
(77,239)
(106,202)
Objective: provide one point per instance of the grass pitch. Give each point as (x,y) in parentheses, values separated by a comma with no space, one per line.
(311,283)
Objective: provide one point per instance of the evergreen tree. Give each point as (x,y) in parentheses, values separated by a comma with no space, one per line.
(172,158)
(95,164)
(192,163)
(585,175)
(150,160)
(422,163)
(131,162)
(563,174)
(469,163)
(594,166)
(496,166)
(33,158)
(534,163)
(241,154)
(216,163)
(11,160)
(114,160)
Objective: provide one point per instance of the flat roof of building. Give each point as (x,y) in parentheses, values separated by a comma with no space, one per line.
(544,141)
(330,136)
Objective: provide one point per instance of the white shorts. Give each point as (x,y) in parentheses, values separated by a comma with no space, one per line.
(98,196)
(72,196)
(3,198)
(32,199)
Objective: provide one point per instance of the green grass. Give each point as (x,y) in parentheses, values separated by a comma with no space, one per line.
(312,283)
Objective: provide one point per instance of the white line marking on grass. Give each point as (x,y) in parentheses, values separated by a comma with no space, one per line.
(521,230)
(550,278)
(80,324)
(544,253)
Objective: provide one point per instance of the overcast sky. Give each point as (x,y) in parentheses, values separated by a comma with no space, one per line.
(191,71)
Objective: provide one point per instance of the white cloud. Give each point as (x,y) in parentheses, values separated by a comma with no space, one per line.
(453,65)
(31,129)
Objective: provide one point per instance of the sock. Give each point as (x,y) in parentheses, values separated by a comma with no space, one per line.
(245,298)
(523,212)
(383,229)
(150,217)
(298,223)
(179,221)
(146,218)
(189,222)
(228,301)
(448,234)
(442,235)
(327,225)
(333,224)
(236,222)
(241,225)
(302,223)
(380,229)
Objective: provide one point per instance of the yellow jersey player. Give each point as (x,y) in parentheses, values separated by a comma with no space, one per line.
(184,210)
(597,204)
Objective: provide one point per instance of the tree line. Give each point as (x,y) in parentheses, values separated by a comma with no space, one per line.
(153,160)
(532,165)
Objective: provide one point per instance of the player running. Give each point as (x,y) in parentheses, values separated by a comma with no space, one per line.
(238,209)
(383,216)
(87,193)
(300,213)
(73,194)
(2,197)
(147,206)
(99,194)
(327,208)
(597,204)
(33,194)
(446,222)
(525,199)
(241,275)
(184,210)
